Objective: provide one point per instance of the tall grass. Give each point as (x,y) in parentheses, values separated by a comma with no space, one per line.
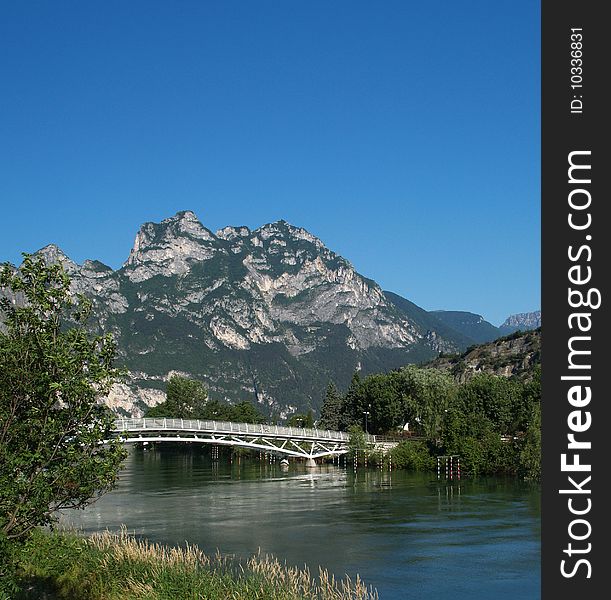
(117,566)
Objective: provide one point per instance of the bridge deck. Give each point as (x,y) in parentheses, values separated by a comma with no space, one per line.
(295,441)
(165,424)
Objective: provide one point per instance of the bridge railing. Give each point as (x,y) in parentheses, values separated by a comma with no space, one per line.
(229,427)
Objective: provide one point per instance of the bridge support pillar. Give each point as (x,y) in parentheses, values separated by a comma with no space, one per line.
(311,463)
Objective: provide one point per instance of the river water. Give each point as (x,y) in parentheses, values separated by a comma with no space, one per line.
(407,534)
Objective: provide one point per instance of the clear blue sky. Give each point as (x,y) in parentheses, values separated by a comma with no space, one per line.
(404,134)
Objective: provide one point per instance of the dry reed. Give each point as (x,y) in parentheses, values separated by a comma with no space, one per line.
(119,565)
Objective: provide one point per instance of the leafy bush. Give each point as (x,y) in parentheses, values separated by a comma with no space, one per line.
(414,456)
(53,372)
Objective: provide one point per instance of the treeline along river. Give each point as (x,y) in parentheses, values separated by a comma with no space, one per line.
(407,534)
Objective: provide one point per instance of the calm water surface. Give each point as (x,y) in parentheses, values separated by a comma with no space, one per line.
(406,534)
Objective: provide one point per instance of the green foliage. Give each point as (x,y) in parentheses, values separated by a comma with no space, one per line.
(186,398)
(495,398)
(485,453)
(246,412)
(414,456)
(301,420)
(352,405)
(8,568)
(381,402)
(458,367)
(331,409)
(485,425)
(242,412)
(216,411)
(428,395)
(52,374)
(414,395)
(530,455)
(531,397)
(488,421)
(158,411)
(357,442)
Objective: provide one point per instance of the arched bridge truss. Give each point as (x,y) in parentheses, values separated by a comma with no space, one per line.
(290,441)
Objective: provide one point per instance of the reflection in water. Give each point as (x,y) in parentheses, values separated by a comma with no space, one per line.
(409,535)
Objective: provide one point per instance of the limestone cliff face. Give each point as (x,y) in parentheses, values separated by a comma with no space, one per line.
(270,314)
(170,248)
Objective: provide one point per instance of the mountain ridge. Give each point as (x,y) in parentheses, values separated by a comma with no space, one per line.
(270,314)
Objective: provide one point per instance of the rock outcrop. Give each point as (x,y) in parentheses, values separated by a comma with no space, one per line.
(515,355)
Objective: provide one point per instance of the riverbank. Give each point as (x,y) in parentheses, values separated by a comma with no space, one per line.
(105,566)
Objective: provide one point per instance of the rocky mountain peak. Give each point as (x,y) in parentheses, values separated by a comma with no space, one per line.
(522,321)
(284,230)
(96,267)
(230,233)
(170,247)
(52,253)
(186,223)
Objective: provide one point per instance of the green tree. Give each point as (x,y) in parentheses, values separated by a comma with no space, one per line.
(53,373)
(479,425)
(530,455)
(246,412)
(523,406)
(158,411)
(185,399)
(357,442)
(414,456)
(214,410)
(492,397)
(418,396)
(301,420)
(428,395)
(330,412)
(382,401)
(351,412)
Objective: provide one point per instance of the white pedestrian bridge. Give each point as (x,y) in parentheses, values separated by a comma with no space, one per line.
(291,441)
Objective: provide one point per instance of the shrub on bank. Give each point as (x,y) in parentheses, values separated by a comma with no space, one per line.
(414,456)
(119,567)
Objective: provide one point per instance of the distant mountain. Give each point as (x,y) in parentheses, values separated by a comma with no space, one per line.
(521,322)
(515,355)
(472,326)
(269,314)
(429,321)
